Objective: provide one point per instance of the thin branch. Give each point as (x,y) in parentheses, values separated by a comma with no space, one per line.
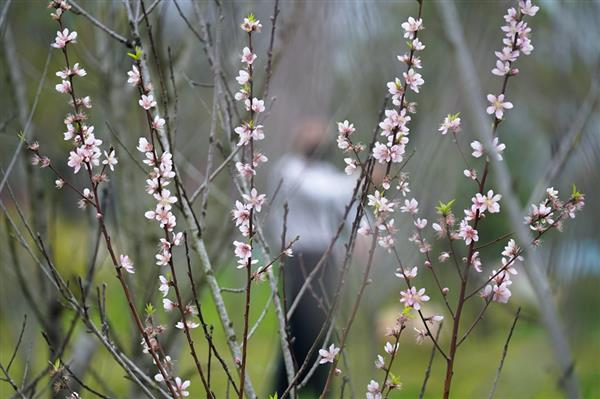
(504,352)
(100,25)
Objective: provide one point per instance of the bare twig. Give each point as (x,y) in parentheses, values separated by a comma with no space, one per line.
(504,352)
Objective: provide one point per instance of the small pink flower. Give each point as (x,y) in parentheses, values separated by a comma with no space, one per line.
(502,68)
(250,24)
(168,305)
(64,87)
(144,145)
(373,390)
(127,264)
(242,250)
(164,285)
(241,214)
(413,79)
(110,160)
(413,298)
(243,77)
(248,56)
(410,206)
(181,387)
(328,355)
(467,232)
(345,128)
(527,8)
(411,27)
(497,105)
(63,38)
(147,102)
(350,166)
(254,200)
(451,123)
(134,76)
(158,123)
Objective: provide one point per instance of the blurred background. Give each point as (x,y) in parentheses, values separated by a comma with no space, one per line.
(332,60)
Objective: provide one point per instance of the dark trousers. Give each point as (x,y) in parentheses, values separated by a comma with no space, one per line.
(308,318)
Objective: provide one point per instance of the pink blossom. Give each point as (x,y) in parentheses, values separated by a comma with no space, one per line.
(389,348)
(254,200)
(110,159)
(350,166)
(487,202)
(64,87)
(500,293)
(345,128)
(328,355)
(248,56)
(410,206)
(165,199)
(497,105)
(147,101)
(158,123)
(501,69)
(241,214)
(410,274)
(242,250)
(527,8)
(258,106)
(250,24)
(168,305)
(413,298)
(478,149)
(163,258)
(467,232)
(420,335)
(181,387)
(470,173)
(417,45)
(507,54)
(164,285)
(75,161)
(243,77)
(413,79)
(411,27)
(190,325)
(373,390)
(126,264)
(476,261)
(144,145)
(63,38)
(451,123)
(245,169)
(134,76)
(380,203)
(420,223)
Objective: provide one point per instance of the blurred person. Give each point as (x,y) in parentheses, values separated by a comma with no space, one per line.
(317,193)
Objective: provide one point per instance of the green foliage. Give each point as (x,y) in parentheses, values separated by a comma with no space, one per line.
(150,310)
(445,209)
(137,55)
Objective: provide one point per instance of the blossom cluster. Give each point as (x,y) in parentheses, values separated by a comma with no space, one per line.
(248,132)
(87,152)
(160,177)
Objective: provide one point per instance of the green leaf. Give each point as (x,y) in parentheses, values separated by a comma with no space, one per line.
(137,55)
(453,116)
(445,209)
(274,396)
(150,309)
(574,193)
